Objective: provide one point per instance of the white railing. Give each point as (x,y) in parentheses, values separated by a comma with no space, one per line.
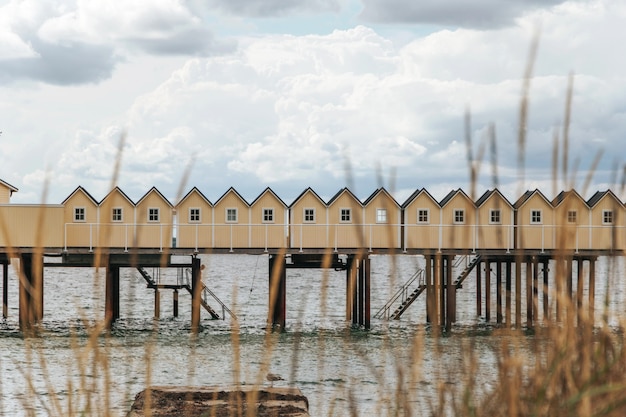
(264,236)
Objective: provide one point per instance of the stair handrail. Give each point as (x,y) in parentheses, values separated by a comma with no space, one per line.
(205,291)
(465,273)
(402,292)
(458,261)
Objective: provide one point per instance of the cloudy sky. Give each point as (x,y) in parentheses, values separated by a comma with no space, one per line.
(291,94)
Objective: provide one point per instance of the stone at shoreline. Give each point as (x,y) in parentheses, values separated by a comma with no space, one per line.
(220,402)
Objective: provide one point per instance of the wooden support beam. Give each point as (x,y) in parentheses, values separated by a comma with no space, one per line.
(579,290)
(507,285)
(157,303)
(529,294)
(479,300)
(488,291)
(361,293)
(450,296)
(30,290)
(367,323)
(535,288)
(518,292)
(592,289)
(546,287)
(498,292)
(112,295)
(430,301)
(442,294)
(175,303)
(5,290)
(196,294)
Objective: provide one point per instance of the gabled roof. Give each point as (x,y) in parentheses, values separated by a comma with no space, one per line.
(80,189)
(381,190)
(154,190)
(562,196)
(270,191)
(599,195)
(305,192)
(9,186)
(194,190)
(490,193)
(119,190)
(527,195)
(451,195)
(342,191)
(416,194)
(229,191)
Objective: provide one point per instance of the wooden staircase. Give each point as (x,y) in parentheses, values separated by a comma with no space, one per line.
(406,294)
(458,283)
(415,286)
(184,282)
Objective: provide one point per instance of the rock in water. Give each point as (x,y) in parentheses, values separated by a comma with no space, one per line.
(219,402)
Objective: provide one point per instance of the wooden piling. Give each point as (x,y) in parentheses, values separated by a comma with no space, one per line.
(277,292)
(196,293)
(487,291)
(579,290)
(450,296)
(430,302)
(507,285)
(479,301)
(529,294)
(535,288)
(592,289)
(112,295)
(175,303)
(498,292)
(546,292)
(518,292)
(157,303)
(31,291)
(5,290)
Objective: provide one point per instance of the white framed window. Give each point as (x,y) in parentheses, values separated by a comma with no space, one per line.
(423,216)
(117,214)
(268,215)
(607,216)
(345,215)
(194,215)
(572,216)
(153,214)
(459,216)
(80,214)
(495,216)
(231,215)
(535,217)
(309,215)
(381,215)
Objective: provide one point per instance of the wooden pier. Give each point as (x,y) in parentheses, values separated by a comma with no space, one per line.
(520,279)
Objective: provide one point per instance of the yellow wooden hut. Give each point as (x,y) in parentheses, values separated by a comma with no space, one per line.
(309,221)
(80,219)
(495,221)
(458,214)
(572,217)
(382,225)
(534,220)
(345,220)
(154,220)
(6,191)
(269,221)
(194,221)
(231,221)
(421,221)
(116,220)
(607,221)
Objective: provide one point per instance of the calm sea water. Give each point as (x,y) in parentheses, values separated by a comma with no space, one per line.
(64,370)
